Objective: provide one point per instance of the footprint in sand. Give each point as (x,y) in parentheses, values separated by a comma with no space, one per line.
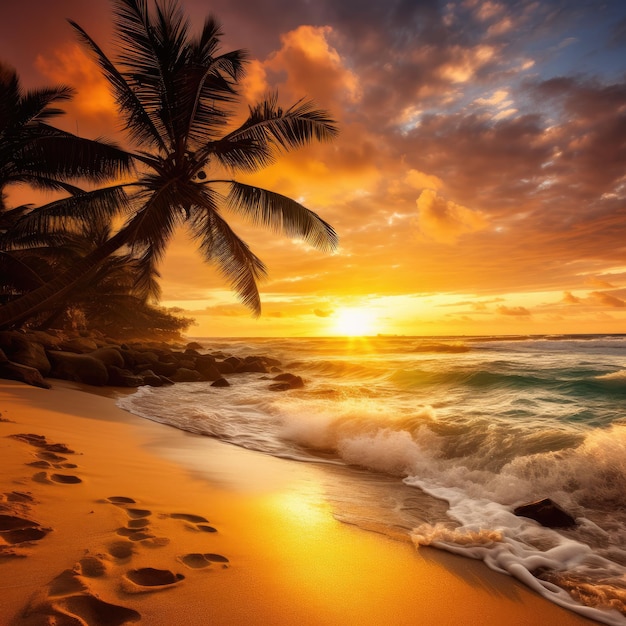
(16,496)
(15,530)
(141,522)
(64,479)
(149,579)
(121,550)
(69,602)
(196,560)
(91,566)
(51,456)
(196,522)
(120,500)
(87,609)
(134,535)
(39,441)
(137,513)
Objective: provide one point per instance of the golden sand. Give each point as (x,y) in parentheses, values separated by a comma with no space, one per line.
(109,519)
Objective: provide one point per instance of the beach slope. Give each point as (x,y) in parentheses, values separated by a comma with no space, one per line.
(109,519)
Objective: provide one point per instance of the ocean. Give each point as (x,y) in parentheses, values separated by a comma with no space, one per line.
(437,440)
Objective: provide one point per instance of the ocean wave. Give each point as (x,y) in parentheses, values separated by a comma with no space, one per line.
(509,421)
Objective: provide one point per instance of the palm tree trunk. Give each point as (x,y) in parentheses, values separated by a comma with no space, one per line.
(44,297)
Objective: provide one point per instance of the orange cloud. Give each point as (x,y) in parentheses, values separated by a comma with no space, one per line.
(312,66)
(607,300)
(569,298)
(514,311)
(445,221)
(70,65)
(420,180)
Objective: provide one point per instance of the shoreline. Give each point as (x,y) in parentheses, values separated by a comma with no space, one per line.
(278,556)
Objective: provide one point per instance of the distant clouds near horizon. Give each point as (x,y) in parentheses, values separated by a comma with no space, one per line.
(479,182)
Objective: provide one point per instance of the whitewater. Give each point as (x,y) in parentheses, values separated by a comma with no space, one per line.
(439,439)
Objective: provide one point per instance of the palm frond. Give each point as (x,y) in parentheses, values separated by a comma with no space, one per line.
(106,202)
(39,180)
(235,261)
(154,223)
(281,214)
(143,126)
(145,273)
(65,155)
(285,129)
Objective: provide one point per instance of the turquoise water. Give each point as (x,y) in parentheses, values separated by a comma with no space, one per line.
(480,424)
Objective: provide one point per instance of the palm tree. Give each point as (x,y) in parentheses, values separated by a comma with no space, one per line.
(177,94)
(35,153)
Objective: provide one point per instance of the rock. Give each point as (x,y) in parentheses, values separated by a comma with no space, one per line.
(119,377)
(189,364)
(547,513)
(206,366)
(184,375)
(220,382)
(151,379)
(32,354)
(279,387)
(234,361)
(194,345)
(80,368)
(23,373)
(294,382)
(251,366)
(166,381)
(164,369)
(224,367)
(109,356)
(47,340)
(81,345)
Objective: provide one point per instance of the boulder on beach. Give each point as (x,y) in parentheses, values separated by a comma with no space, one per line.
(81,345)
(120,377)
(547,513)
(81,368)
(186,375)
(22,373)
(109,356)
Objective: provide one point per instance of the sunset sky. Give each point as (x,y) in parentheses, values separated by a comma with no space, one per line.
(478,184)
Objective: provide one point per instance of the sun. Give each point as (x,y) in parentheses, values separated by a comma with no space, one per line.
(354,322)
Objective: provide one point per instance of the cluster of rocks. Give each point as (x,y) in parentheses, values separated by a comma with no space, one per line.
(32,357)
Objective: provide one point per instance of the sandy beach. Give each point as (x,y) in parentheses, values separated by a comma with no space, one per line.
(110,519)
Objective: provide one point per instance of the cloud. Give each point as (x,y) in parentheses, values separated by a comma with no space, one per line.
(598,283)
(322,312)
(70,65)
(309,64)
(420,180)
(608,300)
(514,311)
(569,298)
(446,221)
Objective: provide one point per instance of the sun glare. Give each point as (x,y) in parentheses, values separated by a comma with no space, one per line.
(353,322)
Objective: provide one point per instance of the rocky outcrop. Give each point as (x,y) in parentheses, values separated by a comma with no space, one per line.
(95,360)
(22,373)
(547,513)
(81,368)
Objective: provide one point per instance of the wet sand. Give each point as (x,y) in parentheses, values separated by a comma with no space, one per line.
(107,519)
